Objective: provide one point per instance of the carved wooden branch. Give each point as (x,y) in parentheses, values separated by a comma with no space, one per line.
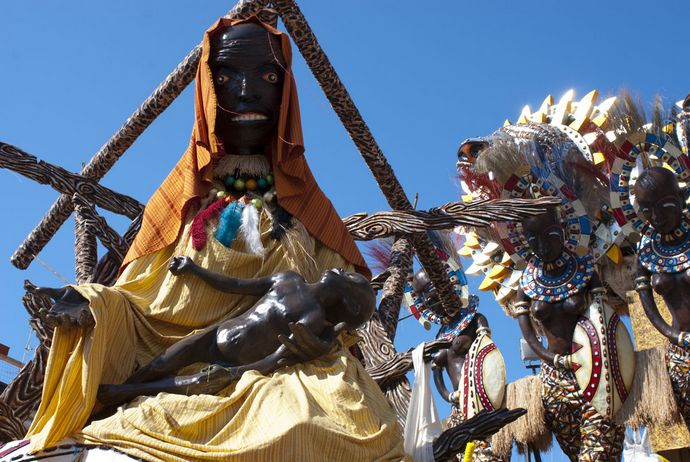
(296,24)
(480,427)
(116,146)
(393,289)
(109,266)
(396,366)
(85,246)
(66,182)
(21,397)
(107,235)
(479,213)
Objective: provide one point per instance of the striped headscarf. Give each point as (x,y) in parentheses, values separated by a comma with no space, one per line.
(298,192)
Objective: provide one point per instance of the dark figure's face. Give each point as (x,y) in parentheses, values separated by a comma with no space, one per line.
(658,196)
(423,286)
(248,71)
(357,298)
(544,234)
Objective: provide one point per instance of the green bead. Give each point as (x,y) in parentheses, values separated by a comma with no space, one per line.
(257,203)
(229,181)
(269,179)
(238,184)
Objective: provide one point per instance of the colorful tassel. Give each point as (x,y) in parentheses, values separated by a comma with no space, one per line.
(198,228)
(249,229)
(229,223)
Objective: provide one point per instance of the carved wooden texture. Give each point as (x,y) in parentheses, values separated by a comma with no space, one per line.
(85,246)
(20,399)
(377,348)
(478,213)
(480,427)
(66,182)
(394,286)
(296,24)
(116,146)
(391,369)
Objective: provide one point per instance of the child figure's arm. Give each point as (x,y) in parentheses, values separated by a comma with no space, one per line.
(258,286)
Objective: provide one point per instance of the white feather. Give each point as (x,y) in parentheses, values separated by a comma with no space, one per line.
(249,229)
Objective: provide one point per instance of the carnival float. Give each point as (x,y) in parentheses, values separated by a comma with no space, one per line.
(236,318)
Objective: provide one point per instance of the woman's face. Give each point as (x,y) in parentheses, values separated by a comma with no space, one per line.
(248,73)
(423,286)
(661,206)
(545,236)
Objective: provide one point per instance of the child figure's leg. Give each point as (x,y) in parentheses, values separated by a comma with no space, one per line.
(198,348)
(209,381)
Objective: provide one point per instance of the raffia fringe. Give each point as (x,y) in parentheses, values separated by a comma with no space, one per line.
(529,429)
(651,400)
(300,250)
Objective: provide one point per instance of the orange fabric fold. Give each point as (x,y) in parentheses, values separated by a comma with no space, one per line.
(297,190)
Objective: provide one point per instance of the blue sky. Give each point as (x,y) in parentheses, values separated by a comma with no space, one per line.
(425,76)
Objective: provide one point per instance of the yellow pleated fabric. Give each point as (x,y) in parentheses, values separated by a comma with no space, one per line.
(326,409)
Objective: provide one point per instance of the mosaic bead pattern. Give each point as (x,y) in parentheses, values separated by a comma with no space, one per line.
(659,256)
(539,286)
(456,276)
(573,215)
(624,210)
(582,433)
(678,363)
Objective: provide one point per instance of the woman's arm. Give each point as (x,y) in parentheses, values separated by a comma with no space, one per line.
(523,303)
(440,362)
(258,286)
(643,286)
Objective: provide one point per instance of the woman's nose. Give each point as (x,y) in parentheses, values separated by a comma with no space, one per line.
(243,86)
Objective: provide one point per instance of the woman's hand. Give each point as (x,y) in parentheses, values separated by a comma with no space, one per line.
(70,308)
(180,265)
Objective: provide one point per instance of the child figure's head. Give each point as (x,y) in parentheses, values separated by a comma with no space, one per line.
(348,297)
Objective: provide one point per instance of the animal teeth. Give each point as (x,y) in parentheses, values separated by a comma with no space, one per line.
(249,116)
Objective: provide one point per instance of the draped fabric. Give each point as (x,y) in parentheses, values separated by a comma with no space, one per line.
(325,409)
(298,192)
(328,406)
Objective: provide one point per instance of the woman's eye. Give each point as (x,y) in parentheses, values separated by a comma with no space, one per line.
(270,77)
(221,79)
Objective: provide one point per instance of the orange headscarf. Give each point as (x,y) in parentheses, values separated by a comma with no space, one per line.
(297,190)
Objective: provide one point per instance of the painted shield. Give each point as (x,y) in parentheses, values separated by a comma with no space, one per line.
(604,351)
(483,379)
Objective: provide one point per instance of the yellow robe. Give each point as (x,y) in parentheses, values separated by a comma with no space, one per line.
(326,409)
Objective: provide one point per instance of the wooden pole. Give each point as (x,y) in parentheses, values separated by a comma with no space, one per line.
(300,31)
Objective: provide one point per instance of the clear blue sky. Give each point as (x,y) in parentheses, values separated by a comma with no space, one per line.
(425,76)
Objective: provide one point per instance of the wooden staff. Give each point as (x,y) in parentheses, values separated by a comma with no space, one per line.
(300,31)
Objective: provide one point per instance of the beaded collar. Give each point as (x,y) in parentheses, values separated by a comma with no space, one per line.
(551,289)
(656,252)
(452,329)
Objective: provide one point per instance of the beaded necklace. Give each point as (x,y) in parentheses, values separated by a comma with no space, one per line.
(658,254)
(452,328)
(537,285)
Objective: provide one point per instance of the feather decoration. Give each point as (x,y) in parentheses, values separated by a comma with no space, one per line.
(379,254)
(229,223)
(476,180)
(249,230)
(198,228)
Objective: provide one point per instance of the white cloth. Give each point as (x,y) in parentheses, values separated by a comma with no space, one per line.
(637,448)
(422,425)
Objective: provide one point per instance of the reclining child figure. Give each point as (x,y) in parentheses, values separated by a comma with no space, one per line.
(260,339)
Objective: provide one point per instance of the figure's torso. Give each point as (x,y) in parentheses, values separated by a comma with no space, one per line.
(254,334)
(558,320)
(675,290)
